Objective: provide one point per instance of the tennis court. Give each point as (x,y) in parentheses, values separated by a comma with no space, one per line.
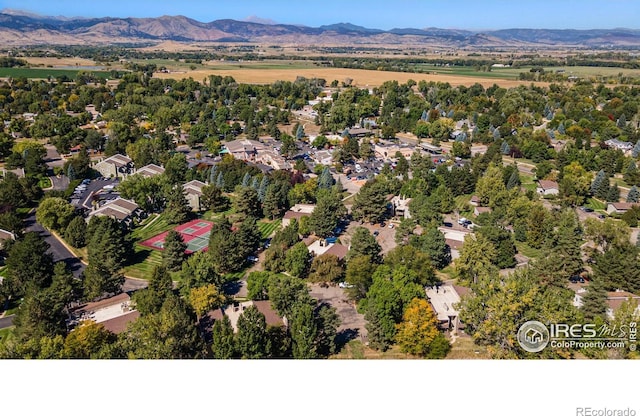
(195,234)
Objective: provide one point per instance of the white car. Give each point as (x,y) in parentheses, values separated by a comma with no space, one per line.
(391,225)
(252,258)
(344,285)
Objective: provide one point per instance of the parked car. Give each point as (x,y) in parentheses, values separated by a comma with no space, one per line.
(586,209)
(375,233)
(253,259)
(344,285)
(576,279)
(391,225)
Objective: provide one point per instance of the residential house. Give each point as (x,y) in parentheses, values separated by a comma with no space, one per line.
(297,211)
(193,193)
(244,149)
(475,201)
(619,207)
(323,157)
(548,187)
(400,207)
(618,144)
(358,132)
(234,311)
(116,166)
(113,313)
(150,170)
(481,210)
(444,300)
(123,210)
(273,159)
(321,246)
(614,299)
(5,236)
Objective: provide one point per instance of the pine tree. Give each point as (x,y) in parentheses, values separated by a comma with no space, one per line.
(174,251)
(220,181)
(262,189)
(245,179)
(326,180)
(496,135)
(255,183)
(622,121)
(631,174)
(594,301)
(424,116)
(633,195)
(223,343)
(597,181)
(613,195)
(212,174)
(178,209)
(561,129)
(71,172)
(514,180)
(636,149)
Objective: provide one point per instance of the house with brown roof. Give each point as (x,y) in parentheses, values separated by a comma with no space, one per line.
(244,149)
(234,311)
(123,210)
(150,170)
(193,193)
(481,210)
(619,207)
(475,201)
(614,299)
(116,166)
(296,212)
(546,187)
(113,313)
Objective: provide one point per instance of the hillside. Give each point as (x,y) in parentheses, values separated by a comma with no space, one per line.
(18,29)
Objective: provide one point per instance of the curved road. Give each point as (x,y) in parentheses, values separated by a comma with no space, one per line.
(61,253)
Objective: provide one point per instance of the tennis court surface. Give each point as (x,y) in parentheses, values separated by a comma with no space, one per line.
(195,234)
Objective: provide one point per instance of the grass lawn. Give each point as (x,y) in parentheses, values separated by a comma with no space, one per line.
(596,204)
(145,259)
(464,349)
(356,350)
(267,227)
(526,250)
(6,334)
(153,225)
(44,182)
(447,273)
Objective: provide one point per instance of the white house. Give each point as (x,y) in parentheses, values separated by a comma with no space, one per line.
(193,193)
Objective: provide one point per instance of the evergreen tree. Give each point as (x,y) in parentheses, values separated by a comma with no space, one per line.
(262,189)
(251,340)
(150,300)
(213,174)
(613,195)
(255,183)
(248,204)
(178,209)
(220,181)
(631,174)
(633,195)
(325,181)
(223,339)
(622,121)
(304,332)
(71,172)
(514,180)
(363,243)
(173,253)
(561,128)
(245,179)
(594,301)
(636,149)
(603,190)
(601,177)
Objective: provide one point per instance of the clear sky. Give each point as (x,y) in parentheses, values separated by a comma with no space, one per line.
(378,14)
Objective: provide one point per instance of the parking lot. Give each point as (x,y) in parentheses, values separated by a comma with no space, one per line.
(82,198)
(352,324)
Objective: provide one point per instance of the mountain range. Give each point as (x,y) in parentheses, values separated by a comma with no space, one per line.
(21,28)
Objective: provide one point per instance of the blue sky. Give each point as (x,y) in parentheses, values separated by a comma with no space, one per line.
(461,14)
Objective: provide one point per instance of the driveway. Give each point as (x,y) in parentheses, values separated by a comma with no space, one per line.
(60,183)
(6,322)
(352,324)
(386,236)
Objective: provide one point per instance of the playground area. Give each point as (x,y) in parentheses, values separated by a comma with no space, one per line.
(195,234)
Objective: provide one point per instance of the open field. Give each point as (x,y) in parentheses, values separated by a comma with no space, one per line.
(263,74)
(512,73)
(42,73)
(60,61)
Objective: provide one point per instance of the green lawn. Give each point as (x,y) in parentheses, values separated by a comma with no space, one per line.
(153,225)
(267,227)
(6,334)
(145,259)
(44,182)
(596,204)
(526,250)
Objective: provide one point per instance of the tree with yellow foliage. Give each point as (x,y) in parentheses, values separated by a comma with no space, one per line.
(418,332)
(205,298)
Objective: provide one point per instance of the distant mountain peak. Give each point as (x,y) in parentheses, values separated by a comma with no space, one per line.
(32,15)
(260,20)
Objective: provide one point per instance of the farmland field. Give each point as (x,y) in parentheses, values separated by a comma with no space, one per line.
(261,73)
(46,72)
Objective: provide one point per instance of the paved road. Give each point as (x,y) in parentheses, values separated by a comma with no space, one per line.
(6,322)
(57,249)
(60,183)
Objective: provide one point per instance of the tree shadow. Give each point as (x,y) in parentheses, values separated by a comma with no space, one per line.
(343,337)
(232,288)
